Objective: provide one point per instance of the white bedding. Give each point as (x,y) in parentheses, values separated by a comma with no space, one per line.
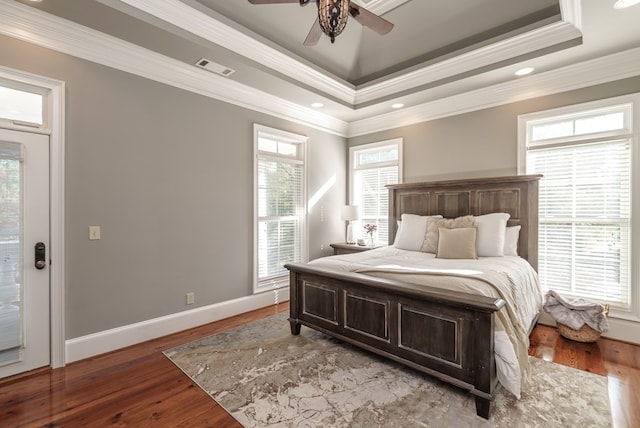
(511,278)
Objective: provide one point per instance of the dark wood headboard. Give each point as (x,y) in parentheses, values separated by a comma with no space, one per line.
(516,195)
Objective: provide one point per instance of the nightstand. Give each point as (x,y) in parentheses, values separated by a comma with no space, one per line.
(344,248)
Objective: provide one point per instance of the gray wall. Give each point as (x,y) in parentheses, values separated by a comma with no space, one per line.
(481,143)
(168,175)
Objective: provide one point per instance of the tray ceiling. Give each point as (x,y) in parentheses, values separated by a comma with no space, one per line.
(423,30)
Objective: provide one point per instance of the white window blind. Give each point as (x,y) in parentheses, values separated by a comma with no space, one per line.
(373,166)
(584,203)
(280,206)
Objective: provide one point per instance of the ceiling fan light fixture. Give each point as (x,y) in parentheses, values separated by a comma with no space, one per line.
(332,16)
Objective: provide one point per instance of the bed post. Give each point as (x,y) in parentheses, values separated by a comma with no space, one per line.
(486,379)
(293,306)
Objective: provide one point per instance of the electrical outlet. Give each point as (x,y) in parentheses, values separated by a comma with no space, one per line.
(191,298)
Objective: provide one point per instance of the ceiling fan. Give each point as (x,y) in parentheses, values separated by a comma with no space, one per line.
(332,18)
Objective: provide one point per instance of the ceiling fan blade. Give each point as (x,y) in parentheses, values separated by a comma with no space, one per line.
(314,34)
(370,20)
(272,1)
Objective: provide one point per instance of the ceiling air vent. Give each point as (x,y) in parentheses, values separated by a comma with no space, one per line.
(215,68)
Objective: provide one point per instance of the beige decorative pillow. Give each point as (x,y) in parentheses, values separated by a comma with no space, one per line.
(459,243)
(430,244)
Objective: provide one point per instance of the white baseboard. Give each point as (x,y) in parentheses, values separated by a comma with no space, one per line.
(619,329)
(109,340)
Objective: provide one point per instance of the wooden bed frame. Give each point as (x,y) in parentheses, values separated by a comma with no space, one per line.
(446,334)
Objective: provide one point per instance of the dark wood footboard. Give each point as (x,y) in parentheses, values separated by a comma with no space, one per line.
(448,335)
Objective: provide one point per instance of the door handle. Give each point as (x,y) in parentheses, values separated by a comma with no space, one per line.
(40,250)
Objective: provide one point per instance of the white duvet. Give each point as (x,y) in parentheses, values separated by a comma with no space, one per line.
(510,278)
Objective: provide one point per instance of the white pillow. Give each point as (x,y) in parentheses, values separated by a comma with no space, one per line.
(491,230)
(399,223)
(410,235)
(511,240)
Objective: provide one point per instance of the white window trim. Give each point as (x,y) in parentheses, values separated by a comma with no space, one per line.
(634,134)
(261,130)
(353,149)
(370,146)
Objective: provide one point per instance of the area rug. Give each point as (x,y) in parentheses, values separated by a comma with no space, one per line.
(266,377)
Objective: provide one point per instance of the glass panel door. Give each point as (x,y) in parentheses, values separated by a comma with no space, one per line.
(24,272)
(10,251)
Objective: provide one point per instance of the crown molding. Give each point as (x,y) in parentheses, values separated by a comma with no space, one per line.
(39,28)
(571,12)
(485,56)
(202,25)
(207,27)
(604,69)
(555,33)
(42,29)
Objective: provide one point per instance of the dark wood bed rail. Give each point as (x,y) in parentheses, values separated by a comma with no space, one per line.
(436,295)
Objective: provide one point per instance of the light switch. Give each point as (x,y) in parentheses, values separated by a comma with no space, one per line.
(94,233)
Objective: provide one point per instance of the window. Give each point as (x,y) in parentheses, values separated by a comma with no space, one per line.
(280,214)
(585,155)
(371,168)
(21,106)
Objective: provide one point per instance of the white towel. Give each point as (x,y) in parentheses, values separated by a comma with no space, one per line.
(576,313)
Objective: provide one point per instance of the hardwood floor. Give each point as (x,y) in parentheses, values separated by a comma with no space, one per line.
(138,386)
(619,361)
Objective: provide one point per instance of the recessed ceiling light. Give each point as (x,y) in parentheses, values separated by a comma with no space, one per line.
(317,105)
(524,71)
(621,4)
(397,105)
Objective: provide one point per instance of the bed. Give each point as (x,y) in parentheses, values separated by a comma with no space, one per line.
(448,333)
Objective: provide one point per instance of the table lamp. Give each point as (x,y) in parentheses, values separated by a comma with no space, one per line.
(350,213)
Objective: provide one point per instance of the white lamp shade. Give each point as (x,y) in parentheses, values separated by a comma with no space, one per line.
(351,212)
